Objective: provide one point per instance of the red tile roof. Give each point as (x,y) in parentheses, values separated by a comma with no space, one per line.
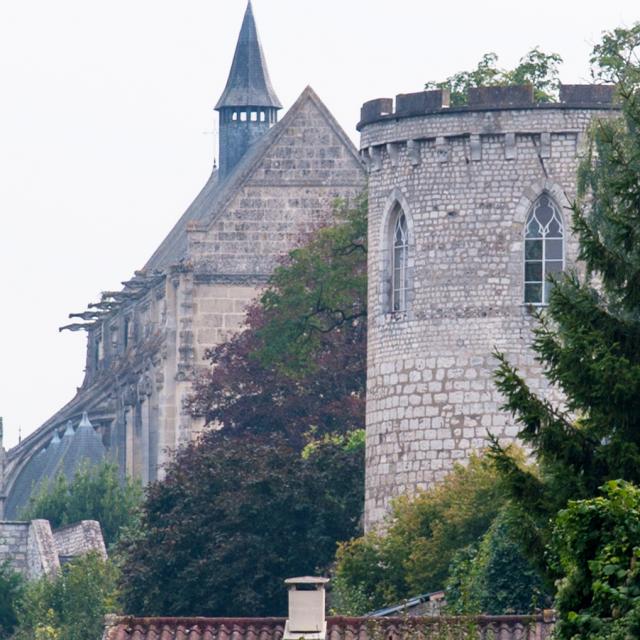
(338,628)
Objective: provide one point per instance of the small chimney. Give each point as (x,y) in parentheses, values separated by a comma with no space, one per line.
(306,609)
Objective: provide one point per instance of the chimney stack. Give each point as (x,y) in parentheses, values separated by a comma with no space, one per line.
(306,609)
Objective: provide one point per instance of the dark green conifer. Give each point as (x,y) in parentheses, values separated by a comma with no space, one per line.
(588,339)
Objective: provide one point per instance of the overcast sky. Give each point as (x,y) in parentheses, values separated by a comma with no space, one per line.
(106,129)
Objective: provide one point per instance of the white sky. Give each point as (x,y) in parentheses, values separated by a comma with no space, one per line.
(104,108)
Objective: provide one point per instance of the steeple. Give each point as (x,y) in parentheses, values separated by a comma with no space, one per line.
(248,106)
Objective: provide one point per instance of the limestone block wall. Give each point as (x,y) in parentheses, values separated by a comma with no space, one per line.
(218,311)
(33,549)
(42,554)
(14,539)
(466,180)
(80,538)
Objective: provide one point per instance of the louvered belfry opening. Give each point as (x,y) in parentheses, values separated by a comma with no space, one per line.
(248,106)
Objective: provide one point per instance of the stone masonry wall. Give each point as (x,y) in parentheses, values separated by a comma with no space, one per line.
(34,550)
(14,538)
(80,538)
(466,181)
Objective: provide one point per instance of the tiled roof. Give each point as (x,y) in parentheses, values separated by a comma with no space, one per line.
(194,628)
(338,628)
(62,456)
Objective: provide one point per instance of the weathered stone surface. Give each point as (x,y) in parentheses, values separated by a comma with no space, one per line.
(34,550)
(587,94)
(430,396)
(496,97)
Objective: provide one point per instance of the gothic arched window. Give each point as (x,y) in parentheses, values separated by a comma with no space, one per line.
(399,263)
(543,249)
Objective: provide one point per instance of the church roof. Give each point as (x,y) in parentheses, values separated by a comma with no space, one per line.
(64,456)
(248,84)
(217,193)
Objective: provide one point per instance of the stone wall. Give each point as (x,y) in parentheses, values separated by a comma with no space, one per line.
(466,180)
(14,543)
(33,549)
(79,539)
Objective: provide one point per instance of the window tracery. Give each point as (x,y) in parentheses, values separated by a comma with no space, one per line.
(399,263)
(543,249)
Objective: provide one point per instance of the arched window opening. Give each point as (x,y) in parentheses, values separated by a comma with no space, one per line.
(543,249)
(399,263)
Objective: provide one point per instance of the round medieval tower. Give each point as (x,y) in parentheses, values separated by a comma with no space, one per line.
(468,214)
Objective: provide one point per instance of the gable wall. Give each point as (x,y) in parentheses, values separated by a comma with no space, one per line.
(288,195)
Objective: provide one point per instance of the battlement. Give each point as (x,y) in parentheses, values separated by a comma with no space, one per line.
(407,105)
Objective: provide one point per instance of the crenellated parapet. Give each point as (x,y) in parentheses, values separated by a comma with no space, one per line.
(497,121)
(437,101)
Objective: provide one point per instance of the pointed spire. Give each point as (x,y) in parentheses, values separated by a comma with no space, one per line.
(68,432)
(84,422)
(249,84)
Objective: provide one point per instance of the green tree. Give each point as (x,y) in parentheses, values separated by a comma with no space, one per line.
(588,339)
(94,493)
(11,588)
(234,517)
(319,290)
(70,605)
(494,577)
(300,363)
(596,544)
(422,536)
(536,68)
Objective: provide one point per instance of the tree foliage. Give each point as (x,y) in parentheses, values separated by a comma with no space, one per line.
(300,363)
(588,339)
(95,493)
(234,517)
(11,588)
(535,67)
(70,605)
(493,576)
(596,544)
(422,536)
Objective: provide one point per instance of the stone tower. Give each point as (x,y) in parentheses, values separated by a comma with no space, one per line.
(248,106)
(467,215)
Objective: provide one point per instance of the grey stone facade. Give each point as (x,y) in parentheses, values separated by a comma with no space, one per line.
(33,549)
(146,342)
(466,180)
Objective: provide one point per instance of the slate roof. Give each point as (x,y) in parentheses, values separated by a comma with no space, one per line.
(248,84)
(217,193)
(61,456)
(338,628)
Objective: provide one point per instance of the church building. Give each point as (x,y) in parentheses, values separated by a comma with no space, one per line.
(276,183)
